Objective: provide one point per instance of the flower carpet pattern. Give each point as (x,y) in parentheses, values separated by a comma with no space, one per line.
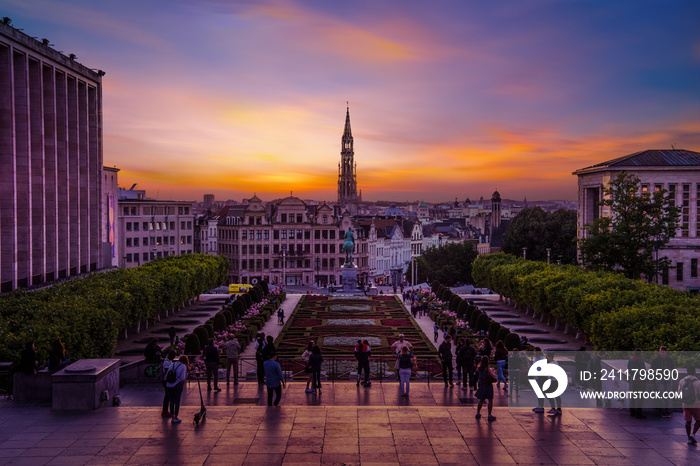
(379,319)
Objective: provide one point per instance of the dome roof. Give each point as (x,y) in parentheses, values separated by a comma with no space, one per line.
(393,211)
(496,197)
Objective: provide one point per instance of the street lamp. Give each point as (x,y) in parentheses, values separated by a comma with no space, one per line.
(549,253)
(524,253)
(284,265)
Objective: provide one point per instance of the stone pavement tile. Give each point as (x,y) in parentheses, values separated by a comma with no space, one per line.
(15,444)
(148,459)
(264,458)
(260,448)
(91,442)
(11,452)
(49,443)
(112,460)
(456,458)
(341,448)
(123,450)
(101,434)
(364,441)
(301,458)
(364,449)
(611,461)
(187,459)
(72,461)
(645,456)
(233,460)
(414,449)
(340,458)
(383,457)
(405,426)
(572,459)
(31,461)
(43,451)
(518,442)
(81,451)
(408,459)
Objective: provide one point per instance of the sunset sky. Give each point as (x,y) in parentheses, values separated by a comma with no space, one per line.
(447,98)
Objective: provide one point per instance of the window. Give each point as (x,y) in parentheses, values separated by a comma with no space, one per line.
(157,225)
(145,226)
(325,219)
(276,264)
(244,234)
(307,248)
(672,193)
(298,263)
(276,249)
(266,263)
(283,234)
(317,248)
(266,249)
(189,240)
(244,264)
(307,234)
(664,276)
(299,234)
(324,263)
(307,263)
(128,257)
(266,234)
(332,234)
(152,241)
(291,234)
(165,226)
(136,226)
(324,234)
(685,211)
(283,218)
(189,225)
(182,240)
(145,256)
(258,220)
(693,268)
(258,234)
(291,218)
(645,188)
(244,249)
(182,225)
(126,211)
(332,248)
(251,235)
(299,218)
(324,248)
(258,264)
(172,240)
(128,226)
(136,242)
(276,234)
(332,263)
(172,225)
(179,210)
(317,234)
(258,249)
(679,271)
(128,242)
(187,210)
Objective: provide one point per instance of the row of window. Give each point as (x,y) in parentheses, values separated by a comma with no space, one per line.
(157,226)
(680,271)
(154,210)
(276,234)
(262,264)
(156,241)
(146,256)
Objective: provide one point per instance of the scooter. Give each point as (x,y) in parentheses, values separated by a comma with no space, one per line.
(202,414)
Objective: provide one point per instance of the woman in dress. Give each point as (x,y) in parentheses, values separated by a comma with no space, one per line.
(485,390)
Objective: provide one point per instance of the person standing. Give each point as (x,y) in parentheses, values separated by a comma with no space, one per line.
(269,350)
(307,366)
(399,344)
(635,365)
(485,391)
(57,356)
(167,365)
(406,363)
(274,380)
(233,348)
(514,364)
(436,330)
(175,387)
(540,381)
(259,347)
(445,352)
(465,358)
(689,387)
(315,361)
(501,357)
(362,354)
(211,362)
(29,359)
(555,411)
(172,334)
(458,366)
(152,352)
(663,362)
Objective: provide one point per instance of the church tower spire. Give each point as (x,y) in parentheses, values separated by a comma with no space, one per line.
(347,170)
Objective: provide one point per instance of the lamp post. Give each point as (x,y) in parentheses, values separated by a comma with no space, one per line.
(524,253)
(549,253)
(317,262)
(284,265)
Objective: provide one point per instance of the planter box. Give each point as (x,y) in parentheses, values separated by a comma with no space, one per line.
(86,385)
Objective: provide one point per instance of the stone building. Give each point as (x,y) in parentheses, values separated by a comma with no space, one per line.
(678,172)
(348,198)
(50,164)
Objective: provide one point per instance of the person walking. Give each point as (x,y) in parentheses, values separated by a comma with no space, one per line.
(259,347)
(465,359)
(501,358)
(406,363)
(211,362)
(233,349)
(274,380)
(555,411)
(436,331)
(315,361)
(167,364)
(176,386)
(663,362)
(307,366)
(689,388)
(540,381)
(269,348)
(485,391)
(445,352)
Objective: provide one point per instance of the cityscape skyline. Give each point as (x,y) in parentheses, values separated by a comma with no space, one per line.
(456,101)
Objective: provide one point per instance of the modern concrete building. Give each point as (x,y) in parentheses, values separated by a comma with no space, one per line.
(678,172)
(50,163)
(149,228)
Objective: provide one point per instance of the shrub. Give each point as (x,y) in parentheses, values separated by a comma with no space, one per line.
(238,307)
(210,329)
(483,322)
(474,318)
(247,300)
(462,309)
(493,329)
(434,286)
(219,322)
(502,334)
(229,317)
(512,341)
(454,303)
(203,335)
(192,345)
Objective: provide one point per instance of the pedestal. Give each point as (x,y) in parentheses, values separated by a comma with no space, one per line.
(86,384)
(349,273)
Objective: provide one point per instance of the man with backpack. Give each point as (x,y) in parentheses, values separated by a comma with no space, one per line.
(689,388)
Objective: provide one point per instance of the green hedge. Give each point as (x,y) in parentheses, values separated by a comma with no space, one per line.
(88,313)
(616,312)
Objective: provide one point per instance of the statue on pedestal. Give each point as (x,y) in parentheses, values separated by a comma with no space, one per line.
(349,246)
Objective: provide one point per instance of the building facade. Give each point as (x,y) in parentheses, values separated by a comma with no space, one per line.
(149,229)
(50,164)
(676,171)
